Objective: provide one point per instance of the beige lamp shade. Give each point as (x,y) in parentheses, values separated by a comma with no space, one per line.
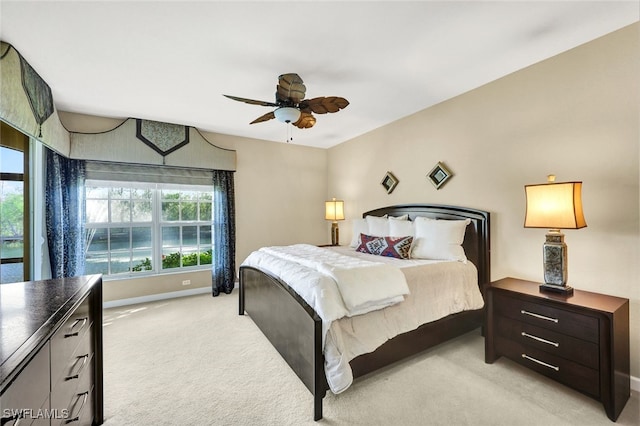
(334,210)
(554,206)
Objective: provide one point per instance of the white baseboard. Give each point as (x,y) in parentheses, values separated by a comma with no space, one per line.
(635,383)
(155,297)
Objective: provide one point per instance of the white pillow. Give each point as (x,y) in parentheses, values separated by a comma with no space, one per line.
(358,226)
(378,226)
(439,239)
(400,228)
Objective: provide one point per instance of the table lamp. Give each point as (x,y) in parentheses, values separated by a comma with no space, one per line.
(555,206)
(334,211)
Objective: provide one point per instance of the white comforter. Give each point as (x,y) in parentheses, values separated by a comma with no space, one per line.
(436,289)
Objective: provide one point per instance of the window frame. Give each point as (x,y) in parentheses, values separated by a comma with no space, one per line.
(157,223)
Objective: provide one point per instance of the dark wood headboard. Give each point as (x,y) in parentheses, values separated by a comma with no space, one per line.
(476,243)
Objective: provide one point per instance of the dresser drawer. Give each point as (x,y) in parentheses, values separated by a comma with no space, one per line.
(68,337)
(78,370)
(574,324)
(70,367)
(558,344)
(69,397)
(560,369)
(29,391)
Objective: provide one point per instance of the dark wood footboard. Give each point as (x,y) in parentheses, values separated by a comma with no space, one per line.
(291,326)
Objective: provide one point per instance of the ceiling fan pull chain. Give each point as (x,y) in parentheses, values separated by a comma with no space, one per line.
(289,137)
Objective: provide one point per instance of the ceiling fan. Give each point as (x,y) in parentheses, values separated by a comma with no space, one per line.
(291,107)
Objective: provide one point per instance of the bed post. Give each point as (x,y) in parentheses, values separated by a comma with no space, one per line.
(240,295)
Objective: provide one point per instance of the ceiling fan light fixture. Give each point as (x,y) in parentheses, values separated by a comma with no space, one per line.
(287,114)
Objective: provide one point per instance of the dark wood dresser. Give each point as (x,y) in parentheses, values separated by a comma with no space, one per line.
(581,341)
(51,352)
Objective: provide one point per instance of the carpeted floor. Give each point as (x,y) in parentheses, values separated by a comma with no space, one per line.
(195,361)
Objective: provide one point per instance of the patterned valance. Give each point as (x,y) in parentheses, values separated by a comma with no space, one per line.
(151,142)
(164,138)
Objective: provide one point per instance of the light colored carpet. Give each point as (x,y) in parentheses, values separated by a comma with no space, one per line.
(195,361)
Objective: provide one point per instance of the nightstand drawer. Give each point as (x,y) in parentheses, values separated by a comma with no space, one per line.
(558,344)
(574,324)
(565,371)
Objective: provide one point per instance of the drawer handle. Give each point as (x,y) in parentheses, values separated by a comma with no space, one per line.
(540,339)
(553,367)
(84,358)
(539,316)
(76,322)
(84,397)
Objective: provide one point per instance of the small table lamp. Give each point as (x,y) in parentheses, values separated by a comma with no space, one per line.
(334,211)
(555,206)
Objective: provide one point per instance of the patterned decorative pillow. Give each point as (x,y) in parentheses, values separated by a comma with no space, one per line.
(399,247)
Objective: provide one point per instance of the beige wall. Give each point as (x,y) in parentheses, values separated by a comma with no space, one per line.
(575,115)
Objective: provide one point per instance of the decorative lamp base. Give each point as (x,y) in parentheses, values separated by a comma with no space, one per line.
(335,234)
(555,264)
(564,290)
(554,255)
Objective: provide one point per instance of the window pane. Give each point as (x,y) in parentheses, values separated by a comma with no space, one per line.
(205,257)
(96,192)
(12,273)
(119,261)
(189,210)
(120,211)
(170,236)
(205,235)
(205,211)
(141,238)
(141,193)
(11,160)
(170,210)
(97,211)
(142,211)
(119,239)
(119,193)
(170,194)
(170,258)
(98,240)
(141,261)
(190,235)
(11,218)
(96,263)
(189,257)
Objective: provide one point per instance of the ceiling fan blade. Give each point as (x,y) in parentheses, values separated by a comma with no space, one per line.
(251,101)
(268,116)
(324,104)
(290,89)
(305,121)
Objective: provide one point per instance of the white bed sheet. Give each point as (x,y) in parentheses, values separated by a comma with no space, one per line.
(437,289)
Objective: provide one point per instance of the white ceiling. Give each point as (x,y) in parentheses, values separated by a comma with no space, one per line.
(172,60)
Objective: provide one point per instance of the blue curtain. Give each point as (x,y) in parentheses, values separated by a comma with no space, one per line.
(224,233)
(64,211)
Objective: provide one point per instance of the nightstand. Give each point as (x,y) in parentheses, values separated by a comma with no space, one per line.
(581,341)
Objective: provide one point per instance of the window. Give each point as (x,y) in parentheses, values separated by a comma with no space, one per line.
(147,228)
(14,202)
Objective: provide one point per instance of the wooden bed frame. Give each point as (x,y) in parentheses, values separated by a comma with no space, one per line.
(295,330)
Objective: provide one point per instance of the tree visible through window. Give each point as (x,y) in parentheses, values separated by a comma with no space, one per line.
(139,228)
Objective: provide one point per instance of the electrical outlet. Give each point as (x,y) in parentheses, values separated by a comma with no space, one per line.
(186,282)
